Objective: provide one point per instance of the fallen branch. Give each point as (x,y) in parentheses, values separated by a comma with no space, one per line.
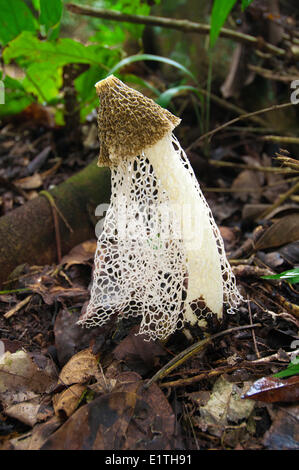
(27,234)
(243,166)
(181,25)
(240,118)
(191,351)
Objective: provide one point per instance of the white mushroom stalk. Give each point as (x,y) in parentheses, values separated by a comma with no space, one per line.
(160,254)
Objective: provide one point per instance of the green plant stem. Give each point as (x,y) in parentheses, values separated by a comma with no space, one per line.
(208,101)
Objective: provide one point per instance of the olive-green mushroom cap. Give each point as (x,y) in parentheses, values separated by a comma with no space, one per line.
(128,121)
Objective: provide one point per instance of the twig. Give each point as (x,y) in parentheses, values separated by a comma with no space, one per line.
(17,307)
(231,107)
(266,169)
(281,199)
(274,356)
(52,202)
(272,76)
(181,25)
(197,378)
(282,139)
(191,351)
(243,116)
(252,331)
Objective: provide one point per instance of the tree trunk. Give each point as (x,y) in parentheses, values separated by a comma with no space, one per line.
(27,234)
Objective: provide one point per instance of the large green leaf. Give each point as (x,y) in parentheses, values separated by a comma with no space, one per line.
(16,97)
(50,13)
(142,57)
(44,81)
(28,49)
(220,11)
(15,17)
(86,93)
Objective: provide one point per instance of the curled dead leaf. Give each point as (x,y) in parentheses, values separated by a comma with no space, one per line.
(66,402)
(79,369)
(30,182)
(80,254)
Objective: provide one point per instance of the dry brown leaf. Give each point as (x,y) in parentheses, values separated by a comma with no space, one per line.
(30,182)
(67,401)
(247,179)
(26,412)
(129,418)
(20,373)
(285,230)
(283,434)
(273,389)
(80,368)
(80,254)
(35,438)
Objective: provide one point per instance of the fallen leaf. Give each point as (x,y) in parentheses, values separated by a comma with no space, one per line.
(283,433)
(100,425)
(290,253)
(225,405)
(273,389)
(131,418)
(80,254)
(21,377)
(139,355)
(71,338)
(34,439)
(228,236)
(26,411)
(247,179)
(30,182)
(57,293)
(285,230)
(79,369)
(66,402)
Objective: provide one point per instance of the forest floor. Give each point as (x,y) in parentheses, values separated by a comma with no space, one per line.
(60,377)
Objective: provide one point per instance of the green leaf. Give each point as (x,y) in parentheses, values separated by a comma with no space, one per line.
(36,4)
(28,49)
(291,276)
(43,81)
(143,57)
(245,4)
(84,84)
(292,369)
(15,17)
(16,97)
(221,10)
(50,13)
(129,78)
(165,98)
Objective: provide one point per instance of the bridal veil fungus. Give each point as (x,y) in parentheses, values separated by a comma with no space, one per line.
(160,254)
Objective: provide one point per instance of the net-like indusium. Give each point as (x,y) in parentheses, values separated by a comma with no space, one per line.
(160,254)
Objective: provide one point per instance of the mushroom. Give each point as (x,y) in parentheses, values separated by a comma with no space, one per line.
(160,254)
